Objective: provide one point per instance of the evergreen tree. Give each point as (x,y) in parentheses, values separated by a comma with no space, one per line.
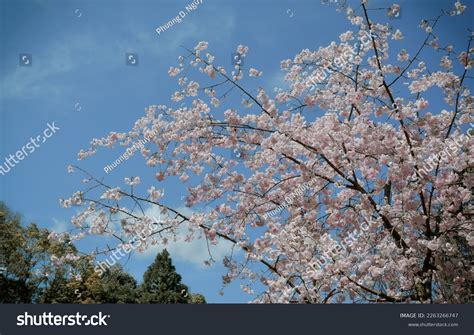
(162,284)
(115,286)
(197,298)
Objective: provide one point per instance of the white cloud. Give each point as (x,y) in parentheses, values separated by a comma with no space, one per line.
(194,252)
(277,79)
(59,226)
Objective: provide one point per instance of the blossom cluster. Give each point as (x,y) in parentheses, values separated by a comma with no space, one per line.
(289,199)
(449,151)
(331,254)
(128,247)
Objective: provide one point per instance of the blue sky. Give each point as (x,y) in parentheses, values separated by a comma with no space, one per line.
(79,80)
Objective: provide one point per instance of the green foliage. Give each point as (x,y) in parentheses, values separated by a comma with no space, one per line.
(25,254)
(162,284)
(114,287)
(28,274)
(197,298)
(15,286)
(65,288)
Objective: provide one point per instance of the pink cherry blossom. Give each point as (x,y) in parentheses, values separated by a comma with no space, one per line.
(132,181)
(354,183)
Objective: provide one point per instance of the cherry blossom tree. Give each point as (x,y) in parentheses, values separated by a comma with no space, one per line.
(356,124)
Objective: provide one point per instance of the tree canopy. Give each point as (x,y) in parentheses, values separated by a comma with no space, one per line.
(36,268)
(162,284)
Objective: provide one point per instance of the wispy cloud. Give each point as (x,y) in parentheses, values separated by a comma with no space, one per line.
(277,79)
(57,62)
(54,60)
